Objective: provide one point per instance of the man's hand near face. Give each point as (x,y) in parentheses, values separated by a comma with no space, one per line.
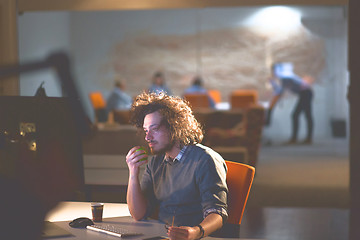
(135,199)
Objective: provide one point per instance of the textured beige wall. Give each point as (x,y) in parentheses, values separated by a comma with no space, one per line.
(228,59)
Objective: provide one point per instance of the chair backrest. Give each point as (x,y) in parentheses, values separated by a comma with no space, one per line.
(197,100)
(215,94)
(97,100)
(239,179)
(99,104)
(243,98)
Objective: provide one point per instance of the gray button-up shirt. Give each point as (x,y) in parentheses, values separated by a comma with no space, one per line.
(189,188)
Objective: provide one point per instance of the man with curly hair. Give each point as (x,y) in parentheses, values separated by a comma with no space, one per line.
(184,183)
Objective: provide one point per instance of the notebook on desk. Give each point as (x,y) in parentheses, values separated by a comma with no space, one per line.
(51,230)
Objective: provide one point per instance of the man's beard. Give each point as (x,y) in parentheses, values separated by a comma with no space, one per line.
(163,150)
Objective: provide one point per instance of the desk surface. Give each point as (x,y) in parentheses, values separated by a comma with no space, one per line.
(148,228)
(114,214)
(67,211)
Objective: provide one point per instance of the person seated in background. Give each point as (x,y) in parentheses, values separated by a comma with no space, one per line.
(283,78)
(159,85)
(184,183)
(197,87)
(118,99)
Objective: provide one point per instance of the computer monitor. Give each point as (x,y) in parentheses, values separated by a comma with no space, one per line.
(40,149)
(40,144)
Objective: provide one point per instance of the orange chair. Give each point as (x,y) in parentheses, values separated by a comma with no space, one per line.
(197,100)
(243,98)
(97,100)
(239,179)
(215,94)
(99,104)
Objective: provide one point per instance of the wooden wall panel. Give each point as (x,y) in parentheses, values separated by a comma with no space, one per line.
(8,44)
(354,99)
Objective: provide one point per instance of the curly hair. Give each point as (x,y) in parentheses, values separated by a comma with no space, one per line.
(176,113)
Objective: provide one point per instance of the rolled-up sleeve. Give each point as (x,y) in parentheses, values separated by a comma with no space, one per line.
(211,179)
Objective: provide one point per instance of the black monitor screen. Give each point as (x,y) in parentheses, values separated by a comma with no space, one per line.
(40,146)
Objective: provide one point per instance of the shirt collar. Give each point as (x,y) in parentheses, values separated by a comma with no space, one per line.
(178,157)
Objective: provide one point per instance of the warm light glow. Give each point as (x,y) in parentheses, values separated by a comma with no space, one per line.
(275,20)
(67,211)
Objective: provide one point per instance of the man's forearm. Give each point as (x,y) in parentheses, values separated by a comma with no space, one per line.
(211,223)
(273,101)
(135,199)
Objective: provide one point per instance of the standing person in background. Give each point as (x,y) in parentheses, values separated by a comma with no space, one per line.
(118,99)
(197,87)
(159,84)
(184,183)
(284,78)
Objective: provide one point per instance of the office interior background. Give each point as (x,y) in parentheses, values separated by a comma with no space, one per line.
(224,45)
(231,48)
